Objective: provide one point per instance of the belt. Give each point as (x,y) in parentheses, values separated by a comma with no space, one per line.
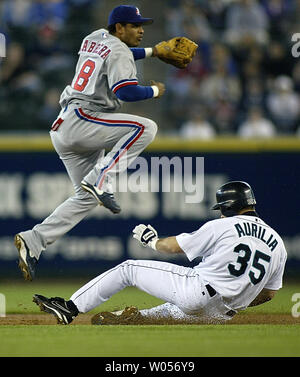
(212,292)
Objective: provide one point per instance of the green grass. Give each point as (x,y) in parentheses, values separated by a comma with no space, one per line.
(153,341)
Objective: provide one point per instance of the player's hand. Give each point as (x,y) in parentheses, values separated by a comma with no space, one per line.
(146,235)
(161,87)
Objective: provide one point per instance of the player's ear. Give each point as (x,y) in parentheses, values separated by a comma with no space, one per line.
(119,28)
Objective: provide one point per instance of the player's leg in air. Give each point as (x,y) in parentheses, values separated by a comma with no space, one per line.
(91,172)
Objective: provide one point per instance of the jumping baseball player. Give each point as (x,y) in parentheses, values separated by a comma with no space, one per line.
(89,123)
(242,265)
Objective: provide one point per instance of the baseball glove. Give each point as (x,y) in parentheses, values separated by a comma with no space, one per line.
(178,51)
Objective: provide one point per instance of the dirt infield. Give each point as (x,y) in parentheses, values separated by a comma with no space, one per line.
(85,319)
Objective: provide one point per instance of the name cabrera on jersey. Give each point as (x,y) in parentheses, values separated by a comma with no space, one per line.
(241,256)
(105,63)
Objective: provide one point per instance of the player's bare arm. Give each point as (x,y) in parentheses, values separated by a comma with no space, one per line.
(168,245)
(264,296)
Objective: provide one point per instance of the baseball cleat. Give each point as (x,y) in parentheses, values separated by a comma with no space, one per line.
(57,306)
(130,315)
(105,199)
(27,262)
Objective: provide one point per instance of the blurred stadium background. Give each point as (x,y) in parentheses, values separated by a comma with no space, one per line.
(237,105)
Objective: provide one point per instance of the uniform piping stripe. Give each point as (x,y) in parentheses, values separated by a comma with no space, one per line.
(124,148)
(135,265)
(123,83)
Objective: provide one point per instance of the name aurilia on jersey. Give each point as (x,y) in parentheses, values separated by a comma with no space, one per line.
(257,231)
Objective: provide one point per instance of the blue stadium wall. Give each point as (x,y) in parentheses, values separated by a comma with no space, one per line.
(33,182)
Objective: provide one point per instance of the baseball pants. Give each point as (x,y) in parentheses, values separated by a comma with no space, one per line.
(182,288)
(80,137)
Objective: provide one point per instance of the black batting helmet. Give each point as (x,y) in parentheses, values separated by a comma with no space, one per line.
(233,196)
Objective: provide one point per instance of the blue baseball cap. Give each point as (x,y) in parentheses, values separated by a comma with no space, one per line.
(127,14)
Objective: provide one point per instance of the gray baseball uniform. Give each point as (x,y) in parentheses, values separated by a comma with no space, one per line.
(86,126)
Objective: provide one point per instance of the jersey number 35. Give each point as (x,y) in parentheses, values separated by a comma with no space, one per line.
(243,261)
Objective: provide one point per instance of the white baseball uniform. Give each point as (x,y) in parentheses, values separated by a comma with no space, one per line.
(241,255)
(87,125)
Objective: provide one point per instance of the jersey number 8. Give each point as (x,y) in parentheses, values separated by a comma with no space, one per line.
(84,75)
(244,260)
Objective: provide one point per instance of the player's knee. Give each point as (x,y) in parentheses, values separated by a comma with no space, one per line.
(128,263)
(150,130)
(127,272)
